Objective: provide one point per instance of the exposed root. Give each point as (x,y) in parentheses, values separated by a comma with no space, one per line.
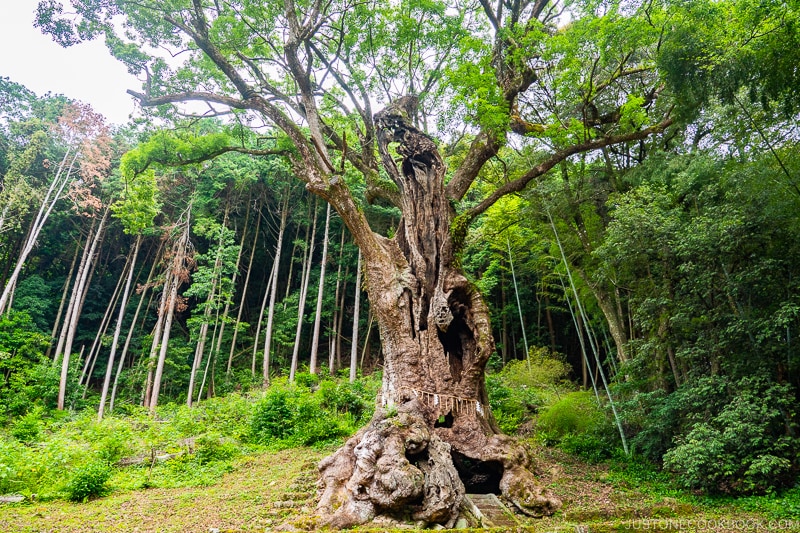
(394,465)
(399,466)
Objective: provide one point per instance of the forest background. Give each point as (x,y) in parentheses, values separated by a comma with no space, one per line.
(177,258)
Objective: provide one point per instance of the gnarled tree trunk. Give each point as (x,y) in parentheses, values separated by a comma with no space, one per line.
(433,437)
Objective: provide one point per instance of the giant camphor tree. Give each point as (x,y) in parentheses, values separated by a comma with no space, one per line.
(480,76)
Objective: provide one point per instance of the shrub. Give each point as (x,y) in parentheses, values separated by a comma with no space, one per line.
(212,447)
(518,391)
(575,413)
(295,415)
(273,416)
(306,379)
(591,447)
(88,481)
(743,449)
(27,428)
(343,397)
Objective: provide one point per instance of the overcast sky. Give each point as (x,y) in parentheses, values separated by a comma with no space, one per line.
(84,72)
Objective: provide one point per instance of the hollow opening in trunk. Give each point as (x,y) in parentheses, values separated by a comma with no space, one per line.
(453,343)
(445,421)
(479,477)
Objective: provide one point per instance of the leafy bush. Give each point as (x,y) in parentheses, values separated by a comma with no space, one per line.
(292,414)
(27,428)
(518,391)
(579,426)
(88,481)
(575,413)
(213,447)
(590,447)
(28,378)
(745,448)
(344,397)
(272,416)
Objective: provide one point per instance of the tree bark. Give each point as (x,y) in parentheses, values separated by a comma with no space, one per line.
(74,314)
(356,309)
(179,274)
(118,328)
(94,351)
(244,286)
(128,338)
(211,305)
(60,181)
(433,437)
(64,292)
(273,290)
(312,367)
(334,343)
(301,304)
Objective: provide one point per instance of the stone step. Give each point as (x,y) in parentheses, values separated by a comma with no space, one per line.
(299,495)
(490,511)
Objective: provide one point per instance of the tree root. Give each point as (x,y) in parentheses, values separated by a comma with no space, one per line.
(399,466)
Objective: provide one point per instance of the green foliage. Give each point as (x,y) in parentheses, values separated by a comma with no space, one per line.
(26,378)
(294,414)
(32,296)
(272,416)
(576,413)
(579,426)
(139,203)
(214,447)
(717,48)
(28,427)
(88,481)
(521,388)
(170,149)
(745,448)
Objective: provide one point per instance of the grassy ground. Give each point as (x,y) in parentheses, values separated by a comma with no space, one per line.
(276,490)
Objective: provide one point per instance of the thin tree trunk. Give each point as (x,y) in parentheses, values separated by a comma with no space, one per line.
(74,314)
(582,314)
(333,340)
(216,279)
(62,177)
(133,328)
(301,304)
(74,294)
(356,309)
(519,305)
(291,263)
(261,317)
(551,330)
(88,365)
(64,292)
(201,342)
(244,289)
(337,334)
(320,292)
(118,329)
(227,308)
(504,319)
(365,350)
(178,267)
(274,291)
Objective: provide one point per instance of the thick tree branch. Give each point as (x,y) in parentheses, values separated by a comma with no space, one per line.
(146,100)
(483,148)
(199,34)
(540,169)
(179,161)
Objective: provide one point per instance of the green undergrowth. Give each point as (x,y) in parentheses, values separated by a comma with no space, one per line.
(239,455)
(51,455)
